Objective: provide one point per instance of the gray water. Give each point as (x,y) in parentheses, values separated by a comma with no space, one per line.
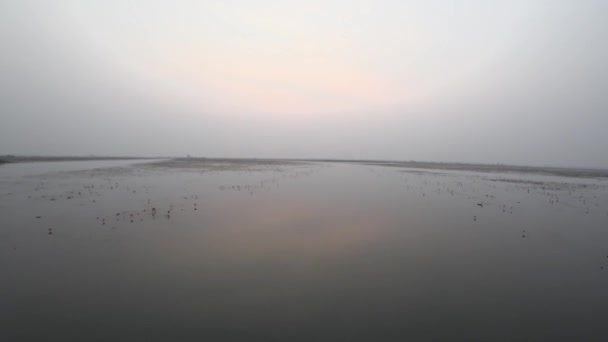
(298,252)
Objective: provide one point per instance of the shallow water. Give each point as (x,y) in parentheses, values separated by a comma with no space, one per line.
(299,251)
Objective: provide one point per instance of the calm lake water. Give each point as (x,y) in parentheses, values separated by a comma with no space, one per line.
(242,251)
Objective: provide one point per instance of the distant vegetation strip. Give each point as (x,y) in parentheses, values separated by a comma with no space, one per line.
(25,159)
(555,171)
(172,161)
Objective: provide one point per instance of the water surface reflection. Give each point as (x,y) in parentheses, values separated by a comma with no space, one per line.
(299,251)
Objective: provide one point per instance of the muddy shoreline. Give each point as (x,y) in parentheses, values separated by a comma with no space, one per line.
(231,163)
(554,171)
(32,159)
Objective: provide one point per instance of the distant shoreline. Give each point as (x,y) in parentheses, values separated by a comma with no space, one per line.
(489,168)
(475,167)
(32,159)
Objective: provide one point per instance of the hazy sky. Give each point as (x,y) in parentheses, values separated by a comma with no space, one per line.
(513,81)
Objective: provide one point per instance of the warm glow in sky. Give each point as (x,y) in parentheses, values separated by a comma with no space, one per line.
(513,81)
(309,57)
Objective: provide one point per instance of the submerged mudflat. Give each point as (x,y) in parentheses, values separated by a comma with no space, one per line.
(220,249)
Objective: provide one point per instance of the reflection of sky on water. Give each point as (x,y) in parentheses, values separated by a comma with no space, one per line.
(343,251)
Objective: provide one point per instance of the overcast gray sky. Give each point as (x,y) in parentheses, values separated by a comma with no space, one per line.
(518,81)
